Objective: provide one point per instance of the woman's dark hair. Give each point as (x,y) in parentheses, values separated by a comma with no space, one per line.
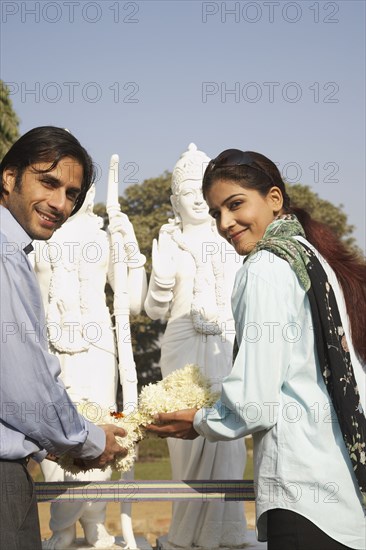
(255,171)
(47,144)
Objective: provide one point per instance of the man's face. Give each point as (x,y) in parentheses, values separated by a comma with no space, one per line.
(44,200)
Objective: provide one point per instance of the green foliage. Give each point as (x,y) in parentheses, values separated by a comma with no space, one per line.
(152,460)
(153,469)
(148,208)
(152,448)
(322,210)
(100,210)
(9,122)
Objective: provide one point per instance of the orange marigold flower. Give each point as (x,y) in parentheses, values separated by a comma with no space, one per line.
(117,414)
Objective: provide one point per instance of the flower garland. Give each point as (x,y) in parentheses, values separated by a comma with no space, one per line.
(184,388)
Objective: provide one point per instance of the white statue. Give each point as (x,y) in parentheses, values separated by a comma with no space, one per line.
(191,282)
(72,269)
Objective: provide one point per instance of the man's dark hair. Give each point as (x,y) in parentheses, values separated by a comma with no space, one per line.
(47,144)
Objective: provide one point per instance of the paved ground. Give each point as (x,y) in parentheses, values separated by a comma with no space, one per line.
(149,519)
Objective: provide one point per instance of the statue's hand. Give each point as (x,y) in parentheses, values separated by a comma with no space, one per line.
(163,261)
(121,223)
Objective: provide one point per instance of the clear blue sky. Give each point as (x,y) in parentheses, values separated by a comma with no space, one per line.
(145,78)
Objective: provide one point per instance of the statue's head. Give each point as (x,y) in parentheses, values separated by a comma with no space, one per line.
(187,200)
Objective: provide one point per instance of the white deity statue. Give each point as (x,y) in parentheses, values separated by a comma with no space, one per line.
(73,268)
(191,283)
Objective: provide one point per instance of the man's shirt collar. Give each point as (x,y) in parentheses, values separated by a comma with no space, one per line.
(13,231)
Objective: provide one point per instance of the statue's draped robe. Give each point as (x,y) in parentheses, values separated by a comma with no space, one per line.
(72,286)
(207,524)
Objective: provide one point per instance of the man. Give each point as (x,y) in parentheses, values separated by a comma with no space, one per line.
(44,178)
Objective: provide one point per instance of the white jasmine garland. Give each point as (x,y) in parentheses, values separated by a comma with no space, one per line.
(185,388)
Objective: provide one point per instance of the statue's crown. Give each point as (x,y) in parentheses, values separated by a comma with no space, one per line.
(191,166)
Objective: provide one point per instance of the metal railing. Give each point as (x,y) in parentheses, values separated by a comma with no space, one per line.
(141,490)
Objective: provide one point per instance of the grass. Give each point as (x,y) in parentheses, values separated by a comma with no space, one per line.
(153,461)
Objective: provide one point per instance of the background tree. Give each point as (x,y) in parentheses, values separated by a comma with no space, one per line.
(9,122)
(322,210)
(148,207)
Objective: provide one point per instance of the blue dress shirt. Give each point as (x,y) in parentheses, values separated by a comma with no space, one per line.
(36,413)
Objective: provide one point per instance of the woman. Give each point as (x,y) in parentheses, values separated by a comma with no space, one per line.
(297,300)
(191,283)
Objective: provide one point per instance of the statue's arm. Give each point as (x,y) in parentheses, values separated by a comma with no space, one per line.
(158,300)
(163,277)
(136,274)
(137,289)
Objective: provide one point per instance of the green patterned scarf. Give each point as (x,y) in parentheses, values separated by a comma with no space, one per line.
(334,358)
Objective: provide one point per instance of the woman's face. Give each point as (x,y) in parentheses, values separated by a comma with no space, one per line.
(190,204)
(242,215)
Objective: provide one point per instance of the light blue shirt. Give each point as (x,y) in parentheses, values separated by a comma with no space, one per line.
(36,413)
(276,392)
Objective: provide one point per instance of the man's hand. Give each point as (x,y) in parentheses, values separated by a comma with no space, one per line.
(112,449)
(177,424)
(50,456)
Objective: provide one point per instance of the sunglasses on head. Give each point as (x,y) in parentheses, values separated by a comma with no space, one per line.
(235,157)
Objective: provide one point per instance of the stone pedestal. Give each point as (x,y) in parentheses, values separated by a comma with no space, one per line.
(251,544)
(142,544)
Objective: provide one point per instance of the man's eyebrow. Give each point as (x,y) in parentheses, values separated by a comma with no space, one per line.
(46,176)
(56,182)
(76,190)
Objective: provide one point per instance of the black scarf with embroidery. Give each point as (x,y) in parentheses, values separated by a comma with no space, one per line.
(331,344)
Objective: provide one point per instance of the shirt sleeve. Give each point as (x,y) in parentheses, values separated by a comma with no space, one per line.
(34,401)
(264,306)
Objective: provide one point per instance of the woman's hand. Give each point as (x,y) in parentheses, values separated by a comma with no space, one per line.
(178,424)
